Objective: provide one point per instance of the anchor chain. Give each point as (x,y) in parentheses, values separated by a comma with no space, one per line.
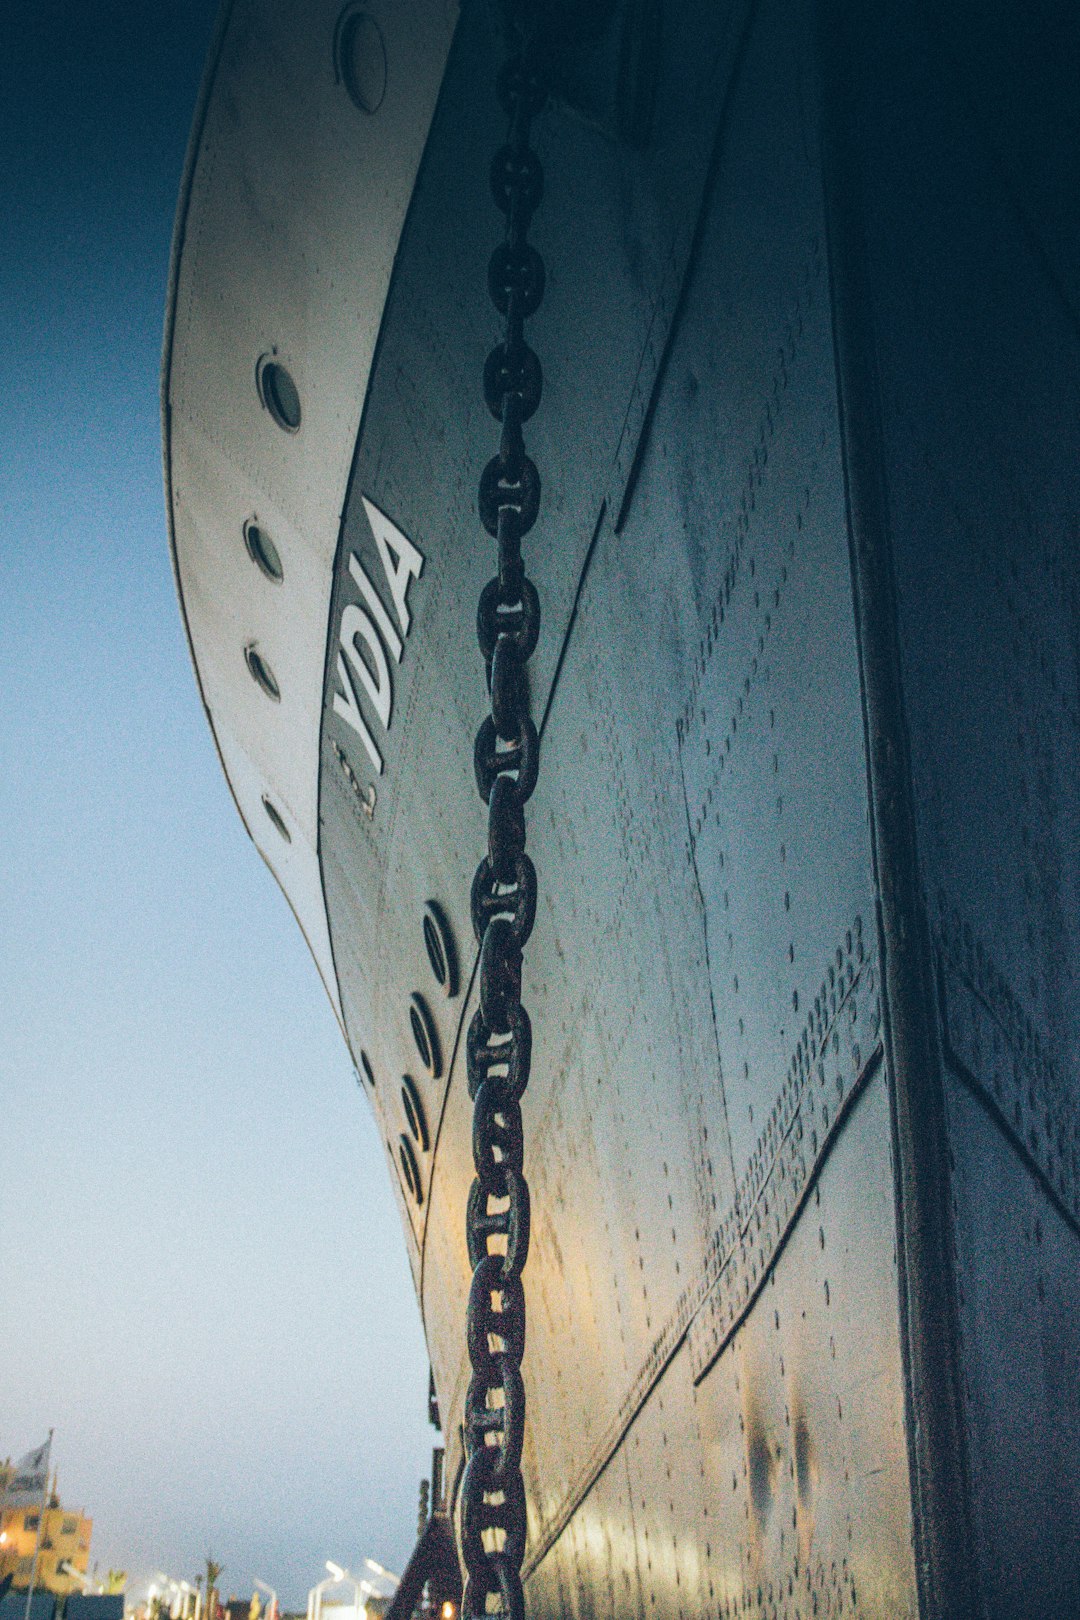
(503,901)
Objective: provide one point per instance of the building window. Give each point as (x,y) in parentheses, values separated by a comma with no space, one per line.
(32,1521)
(69,1527)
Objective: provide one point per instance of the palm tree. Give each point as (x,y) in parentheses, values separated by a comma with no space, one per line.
(213,1571)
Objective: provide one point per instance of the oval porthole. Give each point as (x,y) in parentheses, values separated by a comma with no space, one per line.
(414,1112)
(262,551)
(360,59)
(261,673)
(278,393)
(439,945)
(409,1168)
(274,816)
(368,1071)
(425,1035)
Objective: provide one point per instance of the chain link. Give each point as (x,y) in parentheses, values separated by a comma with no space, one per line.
(503,901)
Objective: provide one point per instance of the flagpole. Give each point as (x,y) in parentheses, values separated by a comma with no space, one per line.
(41,1515)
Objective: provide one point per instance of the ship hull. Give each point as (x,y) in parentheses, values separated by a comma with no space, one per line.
(802,1131)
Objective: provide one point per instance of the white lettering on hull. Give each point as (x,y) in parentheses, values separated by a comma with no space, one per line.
(345,704)
(409,564)
(371,628)
(379,613)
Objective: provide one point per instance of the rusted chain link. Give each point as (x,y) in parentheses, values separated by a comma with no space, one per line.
(499,1042)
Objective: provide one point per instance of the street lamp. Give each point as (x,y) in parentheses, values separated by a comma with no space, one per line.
(315,1596)
(337,1577)
(272,1595)
(387,1574)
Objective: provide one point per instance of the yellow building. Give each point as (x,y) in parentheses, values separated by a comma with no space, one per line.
(65,1539)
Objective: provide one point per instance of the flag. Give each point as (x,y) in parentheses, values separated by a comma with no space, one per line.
(29,1478)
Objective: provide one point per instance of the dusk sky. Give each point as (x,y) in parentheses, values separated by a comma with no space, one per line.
(203,1283)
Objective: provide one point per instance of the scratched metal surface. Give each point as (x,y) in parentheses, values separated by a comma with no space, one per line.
(702,979)
(425,436)
(713,1289)
(970,223)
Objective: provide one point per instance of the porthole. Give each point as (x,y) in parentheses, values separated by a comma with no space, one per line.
(262,551)
(414,1112)
(439,944)
(368,1071)
(275,818)
(261,673)
(409,1168)
(360,59)
(278,393)
(425,1035)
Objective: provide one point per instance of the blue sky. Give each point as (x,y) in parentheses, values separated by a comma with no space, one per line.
(202,1276)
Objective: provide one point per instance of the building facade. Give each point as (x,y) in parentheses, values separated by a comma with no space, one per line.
(65,1541)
